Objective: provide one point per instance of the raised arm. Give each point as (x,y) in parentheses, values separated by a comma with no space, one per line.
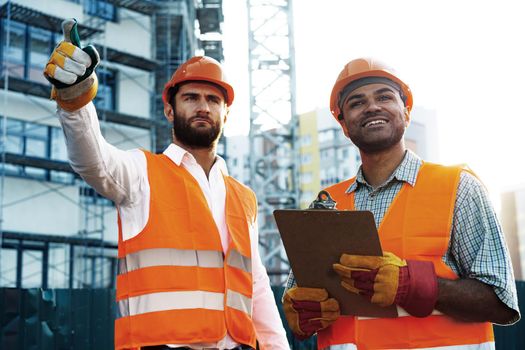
(113,173)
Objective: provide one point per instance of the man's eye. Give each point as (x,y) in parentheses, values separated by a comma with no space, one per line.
(355,104)
(384,98)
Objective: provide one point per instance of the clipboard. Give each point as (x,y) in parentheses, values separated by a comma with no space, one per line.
(316,239)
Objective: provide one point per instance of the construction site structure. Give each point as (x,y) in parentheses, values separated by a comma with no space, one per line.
(273,123)
(55,231)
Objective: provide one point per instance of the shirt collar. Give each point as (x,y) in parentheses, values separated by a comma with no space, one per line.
(179,155)
(406,171)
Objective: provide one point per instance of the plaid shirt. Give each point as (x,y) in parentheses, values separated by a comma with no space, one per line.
(477,247)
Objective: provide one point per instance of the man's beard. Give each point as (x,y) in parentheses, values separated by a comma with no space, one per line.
(372,145)
(195,137)
(375,146)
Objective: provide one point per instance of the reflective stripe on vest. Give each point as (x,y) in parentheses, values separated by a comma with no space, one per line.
(183,300)
(416,226)
(170,256)
(171,301)
(181,257)
(237,260)
(239,302)
(483,346)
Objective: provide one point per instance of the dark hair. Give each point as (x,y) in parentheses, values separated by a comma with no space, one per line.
(369,80)
(171,95)
(174,89)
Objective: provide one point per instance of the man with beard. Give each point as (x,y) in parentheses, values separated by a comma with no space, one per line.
(190,274)
(445,265)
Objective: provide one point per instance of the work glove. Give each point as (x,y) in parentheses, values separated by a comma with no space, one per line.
(308,310)
(388,280)
(71,70)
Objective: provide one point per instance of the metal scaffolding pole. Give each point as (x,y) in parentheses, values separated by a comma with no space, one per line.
(273,167)
(4,126)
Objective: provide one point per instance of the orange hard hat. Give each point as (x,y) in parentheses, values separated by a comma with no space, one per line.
(200,68)
(364,68)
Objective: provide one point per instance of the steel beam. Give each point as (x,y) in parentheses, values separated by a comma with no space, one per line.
(273,167)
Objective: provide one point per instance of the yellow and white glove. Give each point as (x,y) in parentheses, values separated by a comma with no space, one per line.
(71,70)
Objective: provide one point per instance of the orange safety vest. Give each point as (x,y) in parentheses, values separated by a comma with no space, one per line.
(175,286)
(416,226)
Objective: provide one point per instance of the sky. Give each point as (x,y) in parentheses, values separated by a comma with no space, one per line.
(463,59)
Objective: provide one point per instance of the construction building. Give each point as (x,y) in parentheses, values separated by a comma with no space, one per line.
(56,231)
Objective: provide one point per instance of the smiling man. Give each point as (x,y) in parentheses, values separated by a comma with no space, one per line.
(445,265)
(190,275)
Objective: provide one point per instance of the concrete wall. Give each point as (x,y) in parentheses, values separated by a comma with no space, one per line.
(57,8)
(133,91)
(40,207)
(30,108)
(132,33)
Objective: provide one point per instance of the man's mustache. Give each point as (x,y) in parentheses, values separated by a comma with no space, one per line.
(200,117)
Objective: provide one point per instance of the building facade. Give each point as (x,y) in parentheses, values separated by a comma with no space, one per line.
(326,155)
(55,230)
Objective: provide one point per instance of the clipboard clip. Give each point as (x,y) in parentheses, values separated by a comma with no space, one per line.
(323,201)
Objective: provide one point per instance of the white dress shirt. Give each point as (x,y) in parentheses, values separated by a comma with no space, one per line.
(122,177)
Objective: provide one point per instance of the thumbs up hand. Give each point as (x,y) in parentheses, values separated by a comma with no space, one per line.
(70,70)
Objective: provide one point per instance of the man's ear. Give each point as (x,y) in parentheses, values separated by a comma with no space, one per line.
(407,116)
(168,112)
(226,113)
(343,125)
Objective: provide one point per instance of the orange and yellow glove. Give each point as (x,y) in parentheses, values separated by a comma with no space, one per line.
(388,280)
(71,70)
(309,310)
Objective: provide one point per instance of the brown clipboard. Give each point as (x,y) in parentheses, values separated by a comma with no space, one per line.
(315,239)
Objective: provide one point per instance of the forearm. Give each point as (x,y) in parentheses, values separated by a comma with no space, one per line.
(470,300)
(110,171)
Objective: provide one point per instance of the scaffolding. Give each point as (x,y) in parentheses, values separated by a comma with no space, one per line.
(273,168)
(86,257)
